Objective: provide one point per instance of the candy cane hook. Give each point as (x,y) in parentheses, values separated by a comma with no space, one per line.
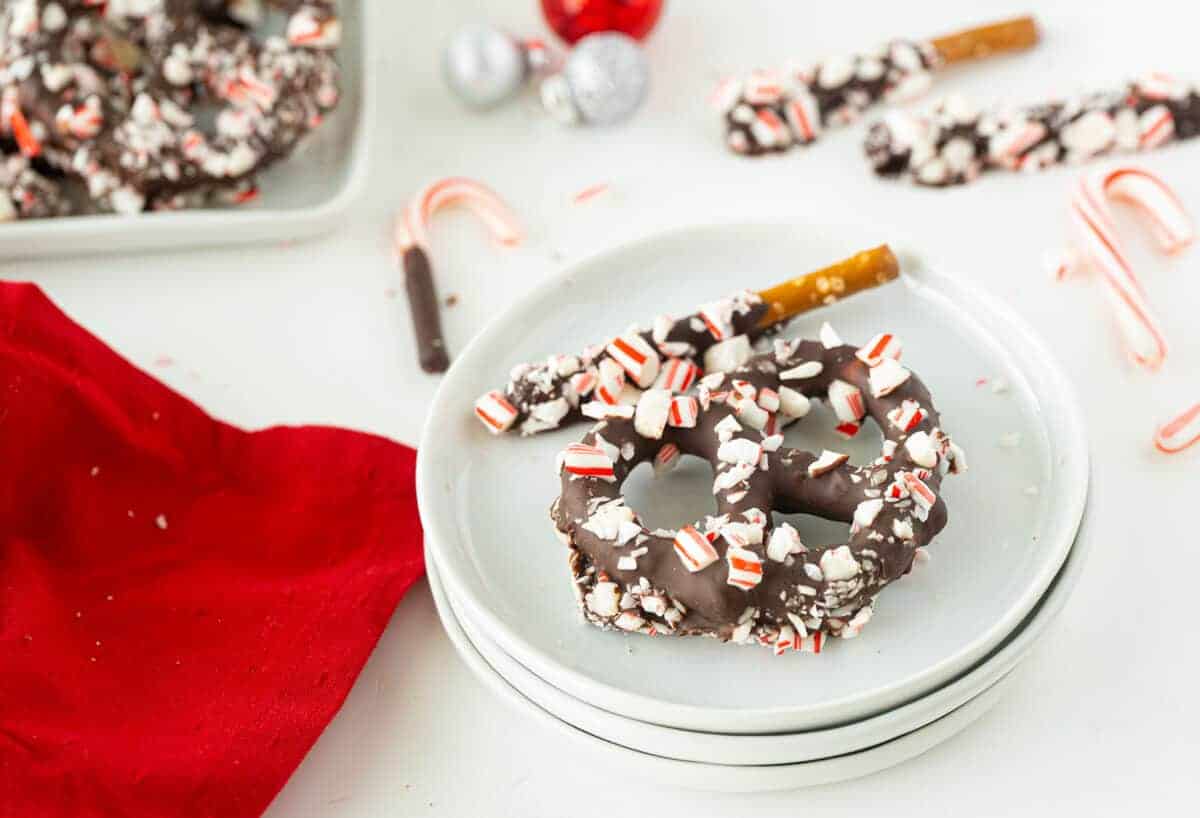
(411,237)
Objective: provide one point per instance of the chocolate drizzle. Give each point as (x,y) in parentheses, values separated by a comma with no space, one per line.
(795,592)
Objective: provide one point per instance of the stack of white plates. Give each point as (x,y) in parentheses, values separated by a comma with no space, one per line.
(944,641)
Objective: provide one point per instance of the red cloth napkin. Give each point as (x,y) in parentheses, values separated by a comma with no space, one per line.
(183,605)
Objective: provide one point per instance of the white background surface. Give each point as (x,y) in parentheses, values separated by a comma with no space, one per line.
(1105,717)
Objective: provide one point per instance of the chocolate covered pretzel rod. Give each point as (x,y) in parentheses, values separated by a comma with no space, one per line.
(956,142)
(607,379)
(772,111)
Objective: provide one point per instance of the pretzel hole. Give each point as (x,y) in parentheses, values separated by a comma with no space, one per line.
(675,499)
(815,432)
(815,532)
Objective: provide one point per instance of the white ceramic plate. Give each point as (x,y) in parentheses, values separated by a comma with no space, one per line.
(484,500)
(789,748)
(303,196)
(718,777)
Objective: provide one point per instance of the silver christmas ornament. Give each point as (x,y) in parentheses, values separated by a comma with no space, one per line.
(604,81)
(484,66)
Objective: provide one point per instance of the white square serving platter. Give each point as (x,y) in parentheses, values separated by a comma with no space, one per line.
(302,196)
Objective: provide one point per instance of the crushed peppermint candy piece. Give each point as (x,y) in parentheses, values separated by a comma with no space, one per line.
(768,399)
(751,414)
(739,450)
(604,599)
(694,550)
(829,338)
(718,318)
(677,375)
(827,462)
(610,380)
(727,427)
(495,411)
(636,357)
(865,514)
(921,449)
(921,493)
(793,403)
(745,568)
(599,410)
(684,411)
(650,418)
(661,328)
(884,345)
(907,416)
(728,354)
(607,520)
(666,459)
(902,528)
(846,400)
(838,564)
(583,460)
(887,376)
(804,371)
(784,542)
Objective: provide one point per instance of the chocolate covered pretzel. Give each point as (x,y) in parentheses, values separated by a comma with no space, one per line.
(673,353)
(772,111)
(117,97)
(737,576)
(956,142)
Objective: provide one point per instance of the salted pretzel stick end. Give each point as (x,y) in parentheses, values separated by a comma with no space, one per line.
(1016,34)
(861,271)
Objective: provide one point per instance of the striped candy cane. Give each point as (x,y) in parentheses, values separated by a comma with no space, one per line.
(1103,249)
(411,238)
(1180,432)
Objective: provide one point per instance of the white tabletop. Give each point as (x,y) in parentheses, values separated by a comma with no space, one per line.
(1105,715)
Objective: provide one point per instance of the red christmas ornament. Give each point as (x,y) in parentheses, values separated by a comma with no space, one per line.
(575,19)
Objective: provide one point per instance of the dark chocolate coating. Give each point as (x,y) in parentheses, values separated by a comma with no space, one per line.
(534,384)
(147,149)
(977,137)
(713,607)
(425,310)
(837,105)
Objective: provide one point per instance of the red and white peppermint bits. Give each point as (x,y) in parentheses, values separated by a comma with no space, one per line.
(583,460)
(694,550)
(907,416)
(610,380)
(1156,126)
(887,376)
(884,345)
(684,411)
(677,375)
(846,400)
(804,116)
(653,409)
(922,495)
(666,459)
(1179,433)
(496,412)
(826,462)
(636,357)
(745,568)
(718,318)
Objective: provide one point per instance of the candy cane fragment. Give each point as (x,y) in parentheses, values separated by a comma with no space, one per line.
(1180,433)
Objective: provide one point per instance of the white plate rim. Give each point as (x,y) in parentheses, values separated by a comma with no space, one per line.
(721,777)
(776,749)
(439,531)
